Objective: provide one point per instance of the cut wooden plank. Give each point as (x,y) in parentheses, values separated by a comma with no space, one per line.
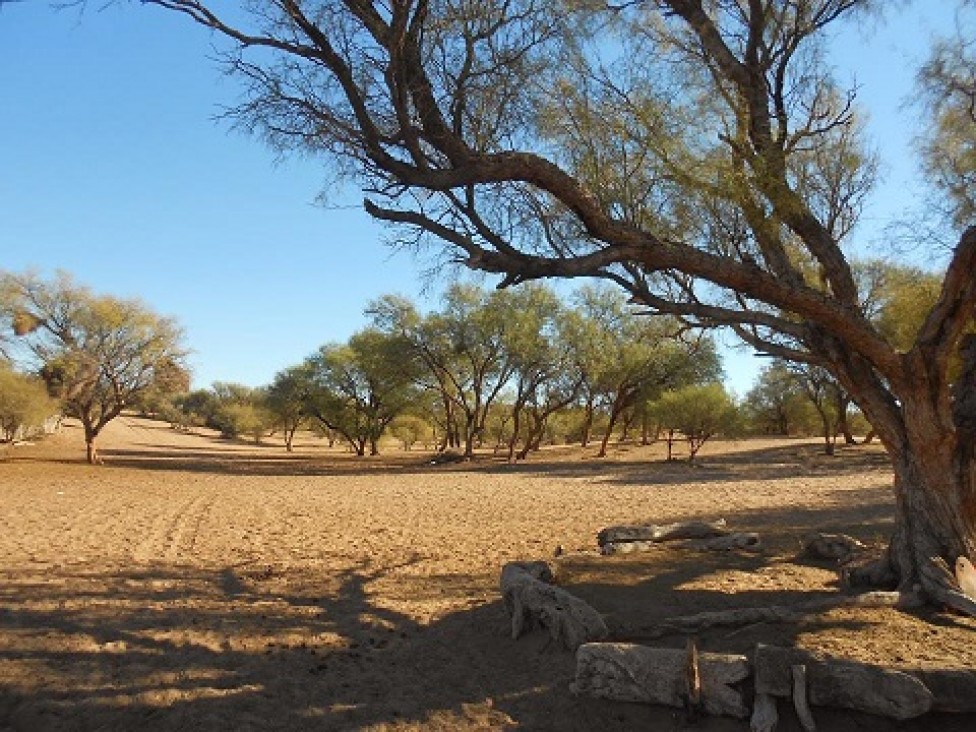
(844,684)
(632,673)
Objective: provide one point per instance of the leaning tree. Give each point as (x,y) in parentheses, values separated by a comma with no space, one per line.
(697,153)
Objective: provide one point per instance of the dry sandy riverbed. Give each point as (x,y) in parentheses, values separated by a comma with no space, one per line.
(195,584)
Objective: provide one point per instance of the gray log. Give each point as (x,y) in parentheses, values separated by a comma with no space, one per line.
(661,532)
(953,691)
(837,547)
(745,541)
(844,684)
(800,704)
(632,673)
(764,714)
(532,601)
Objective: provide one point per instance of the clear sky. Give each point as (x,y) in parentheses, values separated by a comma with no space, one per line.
(113,168)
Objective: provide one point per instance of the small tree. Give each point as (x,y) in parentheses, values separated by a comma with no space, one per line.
(98,354)
(698,412)
(286,399)
(24,403)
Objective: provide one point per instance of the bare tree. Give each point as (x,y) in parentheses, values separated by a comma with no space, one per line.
(695,152)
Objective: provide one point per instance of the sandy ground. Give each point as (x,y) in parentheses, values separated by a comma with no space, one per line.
(196,584)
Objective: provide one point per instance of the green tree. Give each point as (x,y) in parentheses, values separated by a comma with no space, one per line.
(698,412)
(360,387)
(700,155)
(285,400)
(776,404)
(98,354)
(24,403)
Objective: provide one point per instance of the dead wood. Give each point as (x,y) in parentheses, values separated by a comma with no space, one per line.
(661,532)
(765,717)
(843,684)
(748,542)
(839,548)
(689,624)
(798,672)
(632,673)
(532,601)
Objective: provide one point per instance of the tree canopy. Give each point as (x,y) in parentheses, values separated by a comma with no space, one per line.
(97,354)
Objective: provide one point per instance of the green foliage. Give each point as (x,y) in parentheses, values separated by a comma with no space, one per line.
(699,412)
(357,389)
(410,429)
(98,354)
(24,404)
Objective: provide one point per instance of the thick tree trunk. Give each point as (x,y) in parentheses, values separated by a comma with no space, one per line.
(935,515)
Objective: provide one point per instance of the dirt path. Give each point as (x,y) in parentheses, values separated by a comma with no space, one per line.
(192,584)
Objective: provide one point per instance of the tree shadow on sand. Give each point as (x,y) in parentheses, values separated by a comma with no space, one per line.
(267,648)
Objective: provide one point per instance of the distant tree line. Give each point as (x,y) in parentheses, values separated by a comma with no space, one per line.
(510,370)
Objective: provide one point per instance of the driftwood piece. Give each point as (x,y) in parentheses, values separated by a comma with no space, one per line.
(844,684)
(661,532)
(632,673)
(798,672)
(764,714)
(532,601)
(839,548)
(745,541)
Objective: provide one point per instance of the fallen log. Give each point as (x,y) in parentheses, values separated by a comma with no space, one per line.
(748,541)
(839,548)
(691,624)
(661,532)
(844,684)
(952,690)
(532,601)
(632,673)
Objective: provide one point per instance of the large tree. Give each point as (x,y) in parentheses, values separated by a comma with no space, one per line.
(696,152)
(98,354)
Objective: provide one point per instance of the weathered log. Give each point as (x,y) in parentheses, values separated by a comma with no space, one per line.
(952,690)
(749,542)
(764,714)
(839,548)
(844,684)
(626,672)
(798,672)
(532,601)
(626,547)
(661,532)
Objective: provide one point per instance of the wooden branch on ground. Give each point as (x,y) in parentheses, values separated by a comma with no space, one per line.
(661,532)
(843,684)
(531,600)
(798,672)
(743,541)
(632,673)
(690,624)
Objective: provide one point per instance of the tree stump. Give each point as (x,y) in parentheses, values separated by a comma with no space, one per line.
(532,601)
(633,673)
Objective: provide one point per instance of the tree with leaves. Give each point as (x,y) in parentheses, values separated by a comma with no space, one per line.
(358,388)
(698,411)
(698,154)
(24,403)
(286,400)
(97,354)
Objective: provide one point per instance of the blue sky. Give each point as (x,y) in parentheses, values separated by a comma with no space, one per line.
(113,168)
